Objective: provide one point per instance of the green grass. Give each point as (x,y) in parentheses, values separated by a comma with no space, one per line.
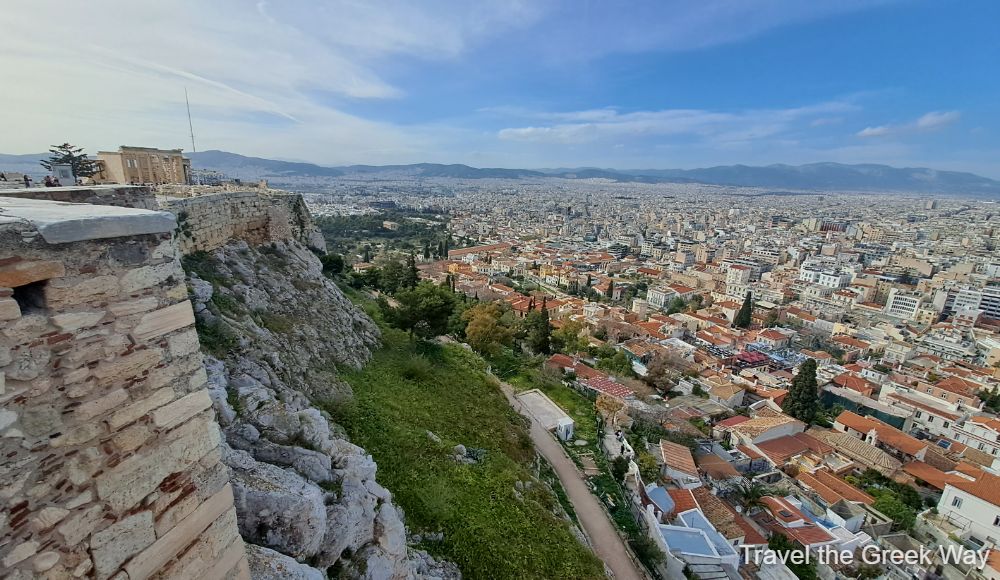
(577,406)
(488,531)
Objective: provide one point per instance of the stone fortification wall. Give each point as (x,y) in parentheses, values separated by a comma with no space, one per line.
(117,195)
(209,222)
(109,449)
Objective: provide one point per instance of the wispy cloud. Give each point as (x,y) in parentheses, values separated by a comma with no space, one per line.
(594,125)
(931,121)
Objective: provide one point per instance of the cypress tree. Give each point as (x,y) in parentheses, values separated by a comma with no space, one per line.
(742,318)
(802,400)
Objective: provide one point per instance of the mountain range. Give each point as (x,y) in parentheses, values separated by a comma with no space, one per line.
(813,176)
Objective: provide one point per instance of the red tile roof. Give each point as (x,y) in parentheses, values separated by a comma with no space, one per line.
(683,500)
(678,457)
(986,488)
(607,386)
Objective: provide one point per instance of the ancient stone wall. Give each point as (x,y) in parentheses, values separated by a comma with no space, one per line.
(109,449)
(117,195)
(208,222)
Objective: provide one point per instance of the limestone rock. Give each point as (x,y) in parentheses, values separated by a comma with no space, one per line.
(266,564)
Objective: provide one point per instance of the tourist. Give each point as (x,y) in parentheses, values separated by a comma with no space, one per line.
(48,181)
(27,180)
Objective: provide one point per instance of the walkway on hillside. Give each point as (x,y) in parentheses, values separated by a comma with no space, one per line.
(605,540)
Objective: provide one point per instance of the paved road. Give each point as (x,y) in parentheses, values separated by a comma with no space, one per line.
(607,543)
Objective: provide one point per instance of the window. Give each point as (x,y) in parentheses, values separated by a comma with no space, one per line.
(981,446)
(930,389)
(946,424)
(944,395)
(956,502)
(996,521)
(930,419)
(919,414)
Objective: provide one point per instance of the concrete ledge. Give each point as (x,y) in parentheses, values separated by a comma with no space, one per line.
(61,223)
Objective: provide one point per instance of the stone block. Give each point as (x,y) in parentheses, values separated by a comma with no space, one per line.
(28,271)
(48,517)
(181,410)
(128,366)
(132,438)
(187,530)
(9,310)
(164,320)
(149,276)
(63,292)
(78,526)
(132,412)
(20,553)
(135,306)
(184,343)
(97,407)
(78,435)
(73,321)
(112,546)
(124,485)
(45,561)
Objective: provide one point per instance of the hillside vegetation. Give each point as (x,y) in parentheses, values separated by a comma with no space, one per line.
(493,526)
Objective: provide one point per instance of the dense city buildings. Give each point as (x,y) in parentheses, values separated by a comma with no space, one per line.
(896,309)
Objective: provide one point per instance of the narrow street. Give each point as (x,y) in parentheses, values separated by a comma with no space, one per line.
(607,544)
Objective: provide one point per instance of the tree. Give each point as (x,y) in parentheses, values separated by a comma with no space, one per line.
(538,331)
(610,292)
(332,263)
(619,468)
(617,364)
(486,331)
(743,318)
(391,276)
(80,164)
(780,544)
(424,310)
(427,250)
(802,401)
(411,276)
(568,338)
(676,305)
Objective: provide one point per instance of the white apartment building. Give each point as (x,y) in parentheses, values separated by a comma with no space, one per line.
(982,433)
(904,305)
(974,507)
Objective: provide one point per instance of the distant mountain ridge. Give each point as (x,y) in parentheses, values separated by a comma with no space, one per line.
(824,176)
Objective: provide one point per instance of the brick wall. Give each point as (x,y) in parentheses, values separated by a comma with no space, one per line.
(109,449)
(116,195)
(210,221)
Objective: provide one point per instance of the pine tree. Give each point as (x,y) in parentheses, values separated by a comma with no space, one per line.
(80,164)
(412,276)
(743,318)
(802,401)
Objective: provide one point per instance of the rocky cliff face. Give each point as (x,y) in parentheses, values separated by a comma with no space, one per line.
(275,330)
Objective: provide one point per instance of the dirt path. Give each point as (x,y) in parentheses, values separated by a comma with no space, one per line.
(600,530)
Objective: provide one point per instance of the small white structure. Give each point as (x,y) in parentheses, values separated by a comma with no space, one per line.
(64,173)
(550,415)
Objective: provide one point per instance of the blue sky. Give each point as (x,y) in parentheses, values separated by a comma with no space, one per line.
(543,83)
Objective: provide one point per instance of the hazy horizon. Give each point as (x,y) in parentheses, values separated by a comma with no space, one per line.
(544,84)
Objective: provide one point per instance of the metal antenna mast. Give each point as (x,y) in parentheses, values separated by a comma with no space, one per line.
(190,125)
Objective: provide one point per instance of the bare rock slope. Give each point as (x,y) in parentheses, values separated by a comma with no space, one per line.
(275,330)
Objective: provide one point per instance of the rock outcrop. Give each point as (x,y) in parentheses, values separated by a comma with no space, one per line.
(275,330)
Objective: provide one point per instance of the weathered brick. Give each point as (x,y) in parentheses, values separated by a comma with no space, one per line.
(132,412)
(167,547)
(182,409)
(128,366)
(26,272)
(135,306)
(99,406)
(73,321)
(164,320)
(112,546)
(9,310)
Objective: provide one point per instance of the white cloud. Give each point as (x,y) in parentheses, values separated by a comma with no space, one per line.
(720,127)
(931,121)
(263,77)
